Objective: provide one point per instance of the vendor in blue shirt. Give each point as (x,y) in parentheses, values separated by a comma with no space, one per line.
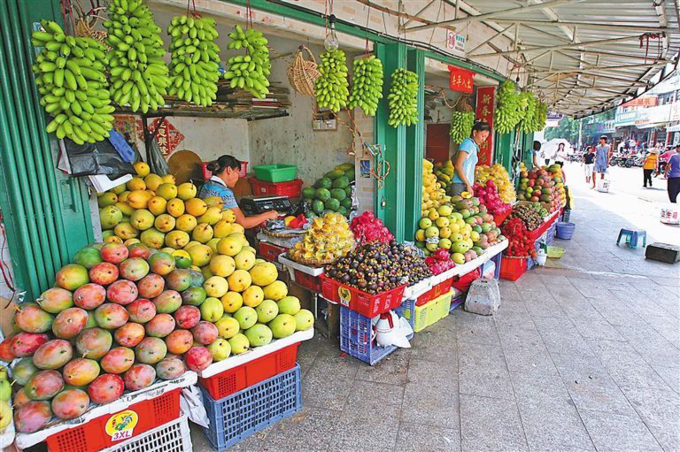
(466,158)
(225,173)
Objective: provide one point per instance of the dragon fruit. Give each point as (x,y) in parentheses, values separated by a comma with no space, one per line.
(367,228)
(439,261)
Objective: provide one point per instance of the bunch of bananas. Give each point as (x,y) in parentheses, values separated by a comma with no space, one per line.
(139,76)
(332,85)
(508,111)
(541,116)
(72,84)
(527,122)
(367,86)
(249,71)
(403,98)
(195,59)
(461,125)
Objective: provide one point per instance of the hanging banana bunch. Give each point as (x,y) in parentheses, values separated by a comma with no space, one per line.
(527,123)
(139,76)
(462,120)
(367,85)
(72,84)
(508,112)
(195,59)
(403,98)
(250,71)
(332,86)
(541,117)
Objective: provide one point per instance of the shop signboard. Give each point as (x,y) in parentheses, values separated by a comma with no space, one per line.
(455,42)
(645,101)
(643,116)
(484,112)
(460,80)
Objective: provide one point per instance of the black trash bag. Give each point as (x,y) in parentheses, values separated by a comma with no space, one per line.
(98,158)
(155,158)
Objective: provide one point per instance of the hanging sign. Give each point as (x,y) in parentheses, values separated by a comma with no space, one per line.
(168,136)
(455,42)
(484,112)
(460,80)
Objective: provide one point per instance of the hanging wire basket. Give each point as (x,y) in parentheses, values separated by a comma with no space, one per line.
(302,73)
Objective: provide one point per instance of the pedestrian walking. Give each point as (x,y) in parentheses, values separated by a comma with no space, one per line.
(589,163)
(650,165)
(673,176)
(601,158)
(560,154)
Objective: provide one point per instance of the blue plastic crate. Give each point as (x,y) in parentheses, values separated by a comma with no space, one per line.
(550,234)
(407,305)
(239,415)
(457,302)
(355,337)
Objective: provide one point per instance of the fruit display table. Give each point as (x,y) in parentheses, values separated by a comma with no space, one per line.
(491,252)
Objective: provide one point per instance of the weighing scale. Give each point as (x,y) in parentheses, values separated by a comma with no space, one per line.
(254,205)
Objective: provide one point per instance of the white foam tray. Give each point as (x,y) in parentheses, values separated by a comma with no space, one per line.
(238,360)
(25,440)
(312,271)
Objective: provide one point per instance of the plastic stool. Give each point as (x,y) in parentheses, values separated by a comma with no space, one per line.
(632,236)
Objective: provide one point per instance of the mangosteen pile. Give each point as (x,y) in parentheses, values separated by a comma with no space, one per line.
(377,267)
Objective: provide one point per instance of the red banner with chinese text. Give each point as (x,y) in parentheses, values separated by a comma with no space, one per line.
(460,80)
(484,112)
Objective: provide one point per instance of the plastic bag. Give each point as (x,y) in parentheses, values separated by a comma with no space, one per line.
(98,158)
(191,403)
(155,158)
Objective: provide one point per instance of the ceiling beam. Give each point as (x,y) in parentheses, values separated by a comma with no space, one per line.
(619,55)
(493,37)
(496,14)
(561,46)
(594,25)
(600,68)
(423,9)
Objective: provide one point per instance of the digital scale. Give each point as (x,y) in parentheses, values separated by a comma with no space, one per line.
(254,205)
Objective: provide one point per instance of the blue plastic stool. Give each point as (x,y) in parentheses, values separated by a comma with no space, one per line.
(632,237)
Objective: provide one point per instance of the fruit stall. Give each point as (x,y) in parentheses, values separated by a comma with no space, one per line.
(164,300)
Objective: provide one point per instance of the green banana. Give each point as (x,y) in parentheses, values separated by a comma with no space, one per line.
(367,85)
(403,98)
(509,109)
(249,71)
(461,125)
(331,88)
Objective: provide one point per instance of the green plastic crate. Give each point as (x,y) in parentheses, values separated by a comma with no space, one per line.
(275,173)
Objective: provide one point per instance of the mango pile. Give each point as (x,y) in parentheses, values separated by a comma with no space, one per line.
(434,194)
(444,172)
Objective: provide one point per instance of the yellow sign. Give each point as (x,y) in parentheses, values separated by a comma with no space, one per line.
(122,425)
(345,296)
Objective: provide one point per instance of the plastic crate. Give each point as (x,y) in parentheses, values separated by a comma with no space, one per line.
(428,314)
(270,252)
(105,431)
(290,189)
(360,301)
(513,267)
(437,291)
(275,173)
(550,234)
(356,331)
(457,302)
(246,375)
(240,415)
(499,219)
(174,436)
(309,282)
(463,282)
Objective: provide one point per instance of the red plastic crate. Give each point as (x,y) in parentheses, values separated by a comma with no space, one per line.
(290,189)
(437,291)
(359,301)
(109,430)
(499,219)
(309,282)
(270,252)
(464,282)
(251,373)
(513,267)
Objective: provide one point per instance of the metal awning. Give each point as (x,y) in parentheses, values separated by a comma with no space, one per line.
(581,56)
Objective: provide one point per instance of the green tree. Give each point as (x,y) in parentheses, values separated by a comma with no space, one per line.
(567,128)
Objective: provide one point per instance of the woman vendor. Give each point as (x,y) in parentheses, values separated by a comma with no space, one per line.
(225,173)
(466,158)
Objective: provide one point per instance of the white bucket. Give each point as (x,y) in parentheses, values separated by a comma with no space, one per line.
(603,185)
(669,214)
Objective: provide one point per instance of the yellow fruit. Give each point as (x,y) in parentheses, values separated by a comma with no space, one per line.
(214,201)
(169,179)
(181,253)
(216,286)
(229,216)
(420,235)
(177,240)
(167,250)
(227,327)
(107,199)
(167,191)
(202,233)
(157,205)
(211,216)
(142,219)
(123,196)
(237,228)
(264,274)
(192,244)
(222,229)
(113,239)
(165,223)
(153,181)
(229,246)
(212,243)
(253,296)
(232,302)
(276,291)
(125,231)
(186,223)
(118,189)
(175,207)
(125,208)
(130,242)
(136,183)
(195,206)
(186,191)
(142,169)
(240,236)
(244,260)
(139,199)
(200,254)
(239,281)
(222,266)
(288,220)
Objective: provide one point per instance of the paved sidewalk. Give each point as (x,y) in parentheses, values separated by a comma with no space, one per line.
(584,355)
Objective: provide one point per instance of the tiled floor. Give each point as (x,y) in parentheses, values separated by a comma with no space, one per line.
(584,355)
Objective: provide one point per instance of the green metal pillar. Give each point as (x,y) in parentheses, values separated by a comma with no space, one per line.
(45,213)
(504,148)
(527,145)
(390,199)
(415,149)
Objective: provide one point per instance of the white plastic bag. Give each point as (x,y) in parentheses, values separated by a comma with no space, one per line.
(192,404)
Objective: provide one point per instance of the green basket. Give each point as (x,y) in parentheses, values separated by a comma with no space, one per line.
(275,173)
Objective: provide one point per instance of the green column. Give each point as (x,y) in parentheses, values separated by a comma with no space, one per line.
(527,145)
(504,147)
(415,150)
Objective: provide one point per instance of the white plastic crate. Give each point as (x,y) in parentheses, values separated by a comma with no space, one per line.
(174,436)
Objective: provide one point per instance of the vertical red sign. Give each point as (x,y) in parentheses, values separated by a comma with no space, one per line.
(484,112)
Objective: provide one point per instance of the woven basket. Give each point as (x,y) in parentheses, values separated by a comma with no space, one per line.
(303,73)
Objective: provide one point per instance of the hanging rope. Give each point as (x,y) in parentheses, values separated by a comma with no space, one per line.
(644,40)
